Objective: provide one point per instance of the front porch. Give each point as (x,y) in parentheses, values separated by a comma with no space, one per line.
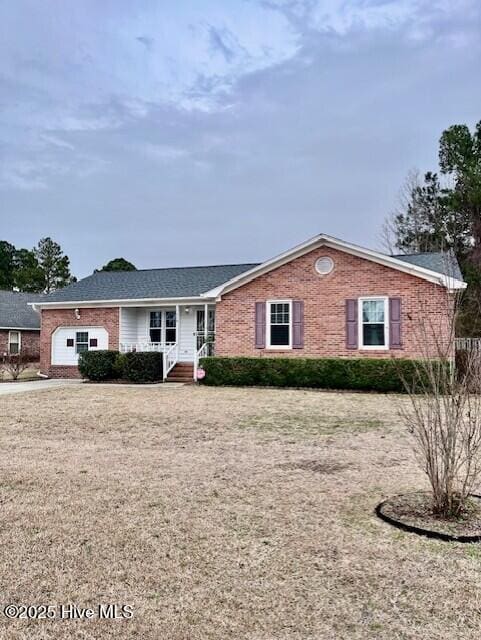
(183,333)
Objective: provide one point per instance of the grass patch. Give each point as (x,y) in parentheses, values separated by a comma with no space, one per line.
(210,531)
(307,425)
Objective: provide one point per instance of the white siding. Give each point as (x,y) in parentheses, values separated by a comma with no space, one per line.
(128,324)
(134,327)
(63,355)
(187,334)
(143,317)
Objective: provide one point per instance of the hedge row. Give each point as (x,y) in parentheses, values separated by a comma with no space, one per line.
(138,366)
(367,374)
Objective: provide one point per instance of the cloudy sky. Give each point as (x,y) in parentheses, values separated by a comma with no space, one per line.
(210,131)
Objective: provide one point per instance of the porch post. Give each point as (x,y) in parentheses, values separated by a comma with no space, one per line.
(206,320)
(177,322)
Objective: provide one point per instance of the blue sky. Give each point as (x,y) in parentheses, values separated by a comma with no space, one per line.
(212,131)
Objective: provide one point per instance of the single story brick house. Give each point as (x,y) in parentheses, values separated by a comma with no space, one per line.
(325,297)
(19,324)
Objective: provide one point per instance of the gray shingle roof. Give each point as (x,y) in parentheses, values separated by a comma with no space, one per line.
(441,262)
(15,312)
(179,282)
(190,282)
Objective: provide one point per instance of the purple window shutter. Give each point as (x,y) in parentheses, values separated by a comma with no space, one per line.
(260,325)
(351,324)
(298,324)
(395,323)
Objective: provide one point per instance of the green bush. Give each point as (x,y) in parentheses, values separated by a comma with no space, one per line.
(142,366)
(119,366)
(98,365)
(367,374)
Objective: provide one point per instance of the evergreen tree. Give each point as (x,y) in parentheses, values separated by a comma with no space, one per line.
(7,254)
(28,275)
(54,265)
(118,264)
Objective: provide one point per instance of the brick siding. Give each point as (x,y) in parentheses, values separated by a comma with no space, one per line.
(425,307)
(29,342)
(107,317)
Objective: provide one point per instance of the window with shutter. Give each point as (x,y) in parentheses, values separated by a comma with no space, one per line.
(373,323)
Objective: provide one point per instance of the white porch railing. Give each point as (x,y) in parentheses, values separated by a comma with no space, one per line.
(468,344)
(125,347)
(171,356)
(169,351)
(207,349)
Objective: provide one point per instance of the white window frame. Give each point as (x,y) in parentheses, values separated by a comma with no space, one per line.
(19,334)
(163,326)
(76,342)
(277,347)
(373,347)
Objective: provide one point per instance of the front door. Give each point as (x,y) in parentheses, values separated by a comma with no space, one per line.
(200,325)
(187,326)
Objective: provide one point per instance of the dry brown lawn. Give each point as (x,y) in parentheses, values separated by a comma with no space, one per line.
(220,513)
(28,374)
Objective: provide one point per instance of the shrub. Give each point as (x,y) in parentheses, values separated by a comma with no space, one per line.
(15,363)
(119,366)
(368,374)
(98,365)
(142,366)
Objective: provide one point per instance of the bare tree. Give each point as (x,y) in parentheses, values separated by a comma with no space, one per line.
(411,184)
(444,412)
(15,364)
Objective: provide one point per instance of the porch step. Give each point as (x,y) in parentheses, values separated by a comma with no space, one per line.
(182,372)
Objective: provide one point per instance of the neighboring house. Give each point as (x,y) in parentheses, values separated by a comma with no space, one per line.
(325,297)
(19,324)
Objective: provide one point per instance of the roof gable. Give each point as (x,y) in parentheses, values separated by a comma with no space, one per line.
(440,277)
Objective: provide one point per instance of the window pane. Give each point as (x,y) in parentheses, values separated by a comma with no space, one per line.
(155,335)
(200,319)
(82,336)
(82,346)
(13,348)
(373,334)
(373,311)
(279,313)
(170,335)
(211,321)
(280,335)
(170,320)
(156,318)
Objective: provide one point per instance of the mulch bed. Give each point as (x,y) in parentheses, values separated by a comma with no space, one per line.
(413,512)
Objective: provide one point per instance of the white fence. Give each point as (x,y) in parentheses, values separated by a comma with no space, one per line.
(468,344)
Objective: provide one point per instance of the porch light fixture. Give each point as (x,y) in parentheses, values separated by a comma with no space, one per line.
(77,314)
(187,309)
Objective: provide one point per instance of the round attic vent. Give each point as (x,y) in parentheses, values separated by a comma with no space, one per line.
(324,265)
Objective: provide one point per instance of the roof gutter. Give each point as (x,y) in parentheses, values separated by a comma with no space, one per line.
(126,302)
(19,328)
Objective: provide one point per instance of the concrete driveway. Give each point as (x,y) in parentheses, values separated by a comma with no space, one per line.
(34,385)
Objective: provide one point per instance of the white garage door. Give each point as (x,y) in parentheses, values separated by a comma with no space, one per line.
(68,342)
